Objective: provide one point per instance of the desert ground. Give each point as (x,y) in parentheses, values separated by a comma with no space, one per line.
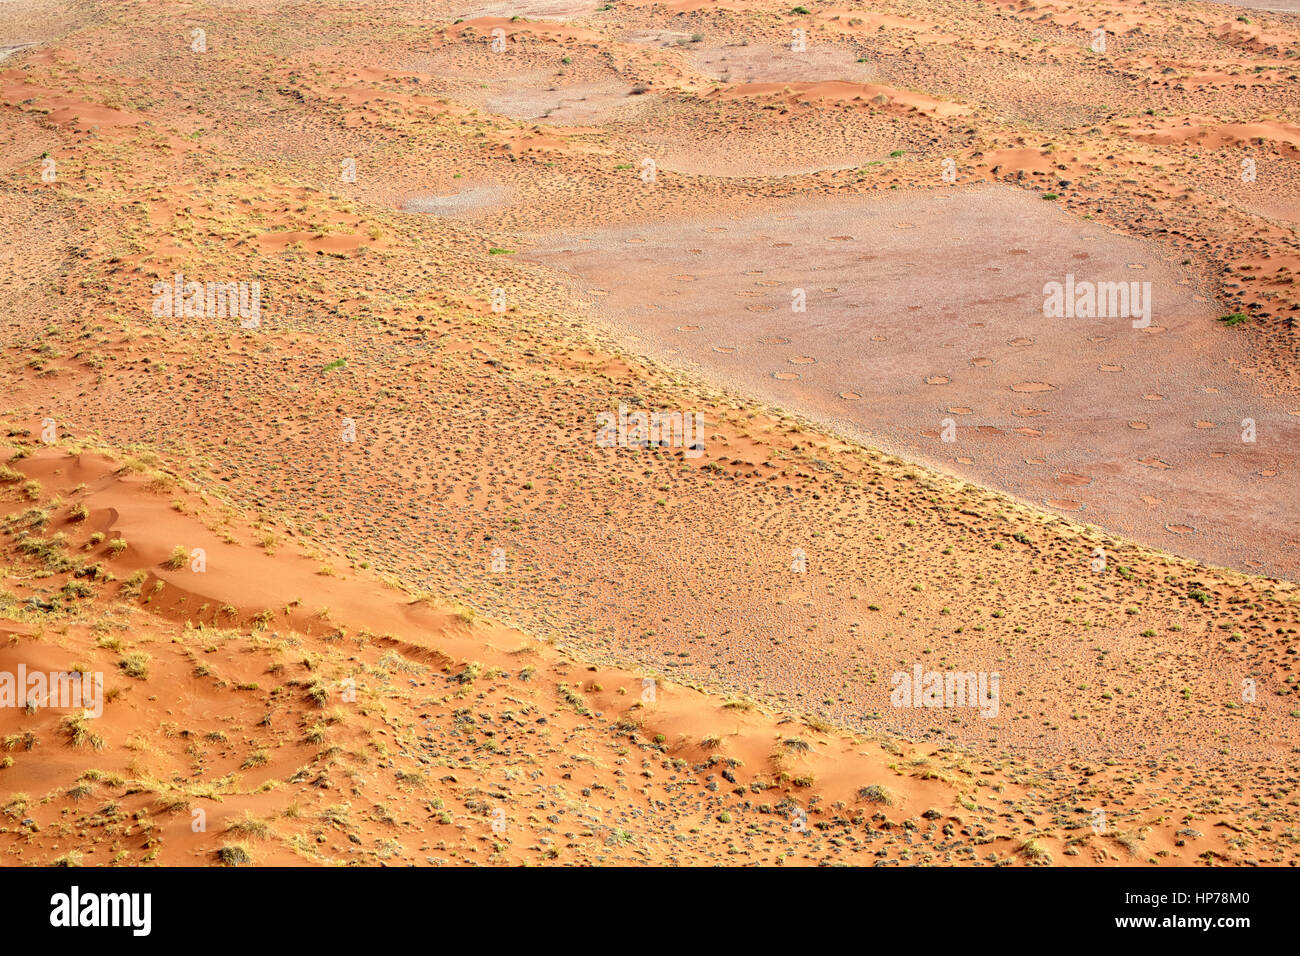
(364,583)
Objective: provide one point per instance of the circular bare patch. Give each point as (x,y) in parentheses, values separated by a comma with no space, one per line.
(1064,504)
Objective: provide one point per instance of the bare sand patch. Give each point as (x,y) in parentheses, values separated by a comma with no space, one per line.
(768,63)
(1272,6)
(578,104)
(912,309)
(662,38)
(534,9)
(469,200)
(1272,207)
